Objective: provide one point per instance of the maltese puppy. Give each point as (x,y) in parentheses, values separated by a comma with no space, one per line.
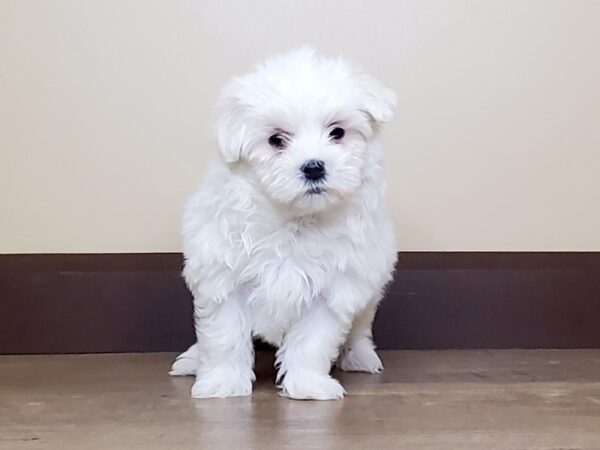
(287,239)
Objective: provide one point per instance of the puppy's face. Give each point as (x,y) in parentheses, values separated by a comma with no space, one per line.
(300,125)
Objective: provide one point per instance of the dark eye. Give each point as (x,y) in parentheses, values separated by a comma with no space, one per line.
(277,141)
(337,133)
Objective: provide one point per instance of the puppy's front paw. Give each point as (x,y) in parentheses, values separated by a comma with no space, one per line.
(360,358)
(308,386)
(214,388)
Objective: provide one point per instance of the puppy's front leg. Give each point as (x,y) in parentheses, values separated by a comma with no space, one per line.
(358,352)
(309,348)
(225,351)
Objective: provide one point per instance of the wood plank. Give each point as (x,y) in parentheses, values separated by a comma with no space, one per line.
(510,399)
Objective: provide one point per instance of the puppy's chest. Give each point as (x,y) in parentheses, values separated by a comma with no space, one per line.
(293,266)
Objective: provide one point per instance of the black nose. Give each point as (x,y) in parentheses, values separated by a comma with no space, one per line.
(314,169)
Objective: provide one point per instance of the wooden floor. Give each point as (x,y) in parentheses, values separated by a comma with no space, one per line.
(484,400)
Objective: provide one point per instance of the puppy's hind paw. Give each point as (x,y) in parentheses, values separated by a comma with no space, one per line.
(361,358)
(186,363)
(183,366)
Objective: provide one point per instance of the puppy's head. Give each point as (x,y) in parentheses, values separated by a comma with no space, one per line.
(301,124)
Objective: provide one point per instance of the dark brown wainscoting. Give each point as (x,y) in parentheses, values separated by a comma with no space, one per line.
(138,302)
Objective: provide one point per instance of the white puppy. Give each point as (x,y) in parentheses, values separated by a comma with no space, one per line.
(287,239)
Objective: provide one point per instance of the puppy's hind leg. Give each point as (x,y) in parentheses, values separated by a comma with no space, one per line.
(224,350)
(358,352)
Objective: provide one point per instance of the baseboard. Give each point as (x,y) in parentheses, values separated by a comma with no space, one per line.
(89,303)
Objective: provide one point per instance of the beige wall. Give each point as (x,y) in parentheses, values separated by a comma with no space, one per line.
(105,115)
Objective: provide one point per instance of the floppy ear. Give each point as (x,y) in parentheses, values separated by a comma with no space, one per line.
(379,102)
(229,124)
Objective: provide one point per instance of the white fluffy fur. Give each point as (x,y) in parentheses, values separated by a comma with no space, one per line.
(266,258)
